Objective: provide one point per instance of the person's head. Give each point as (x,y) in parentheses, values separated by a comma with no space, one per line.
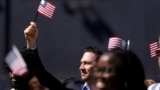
(118,69)
(88,62)
(34,82)
(149,82)
(27,82)
(30,79)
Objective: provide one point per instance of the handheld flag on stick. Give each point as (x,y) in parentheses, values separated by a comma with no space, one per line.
(45,8)
(16,62)
(153,48)
(116,42)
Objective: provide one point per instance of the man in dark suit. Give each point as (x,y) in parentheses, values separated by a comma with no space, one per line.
(88,61)
(37,78)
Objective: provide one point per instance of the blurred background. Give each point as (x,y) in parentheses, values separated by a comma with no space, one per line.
(77,24)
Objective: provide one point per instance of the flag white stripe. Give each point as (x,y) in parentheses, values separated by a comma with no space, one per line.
(47,10)
(116,42)
(44,11)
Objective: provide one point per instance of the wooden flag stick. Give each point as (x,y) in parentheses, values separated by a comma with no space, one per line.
(158,53)
(158,61)
(35,19)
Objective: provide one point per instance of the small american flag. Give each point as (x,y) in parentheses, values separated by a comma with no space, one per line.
(116,42)
(153,49)
(16,62)
(46,8)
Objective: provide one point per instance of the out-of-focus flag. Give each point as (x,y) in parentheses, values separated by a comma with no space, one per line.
(153,48)
(16,62)
(116,42)
(155,86)
(46,8)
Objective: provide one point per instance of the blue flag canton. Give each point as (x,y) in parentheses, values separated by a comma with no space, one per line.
(11,57)
(43,3)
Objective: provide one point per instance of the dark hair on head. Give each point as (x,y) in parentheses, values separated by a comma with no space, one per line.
(94,50)
(133,72)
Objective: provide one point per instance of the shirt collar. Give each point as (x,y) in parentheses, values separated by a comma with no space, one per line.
(85,85)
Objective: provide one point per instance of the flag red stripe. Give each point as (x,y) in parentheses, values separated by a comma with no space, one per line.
(45,10)
(114,42)
(45,13)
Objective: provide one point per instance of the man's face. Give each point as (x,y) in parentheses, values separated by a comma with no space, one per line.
(88,62)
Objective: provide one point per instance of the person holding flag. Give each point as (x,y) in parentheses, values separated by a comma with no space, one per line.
(155,53)
(36,78)
(88,62)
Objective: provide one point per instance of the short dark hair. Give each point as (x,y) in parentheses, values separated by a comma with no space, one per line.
(94,50)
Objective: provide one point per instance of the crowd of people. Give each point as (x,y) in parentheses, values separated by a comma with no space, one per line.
(115,69)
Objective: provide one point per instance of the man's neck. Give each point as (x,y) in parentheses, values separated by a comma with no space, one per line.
(91,84)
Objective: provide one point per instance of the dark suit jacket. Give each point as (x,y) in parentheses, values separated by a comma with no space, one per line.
(73,84)
(36,67)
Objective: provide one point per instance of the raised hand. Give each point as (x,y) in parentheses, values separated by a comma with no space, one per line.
(31,34)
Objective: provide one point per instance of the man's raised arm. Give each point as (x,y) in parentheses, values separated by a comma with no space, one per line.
(31,34)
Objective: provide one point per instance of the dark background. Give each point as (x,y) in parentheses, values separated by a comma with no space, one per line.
(88,22)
